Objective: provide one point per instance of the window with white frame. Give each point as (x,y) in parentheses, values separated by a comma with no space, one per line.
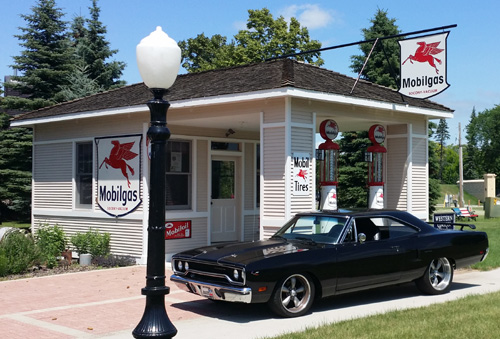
(178,175)
(83,174)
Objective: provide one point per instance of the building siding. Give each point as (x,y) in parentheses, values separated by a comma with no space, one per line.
(52,176)
(274,160)
(396,174)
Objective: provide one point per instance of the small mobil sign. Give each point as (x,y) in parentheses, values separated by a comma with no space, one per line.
(301,173)
(178,229)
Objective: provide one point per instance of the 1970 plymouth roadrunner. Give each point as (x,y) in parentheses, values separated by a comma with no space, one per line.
(320,254)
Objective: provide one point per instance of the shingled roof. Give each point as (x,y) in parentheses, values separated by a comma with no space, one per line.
(241,79)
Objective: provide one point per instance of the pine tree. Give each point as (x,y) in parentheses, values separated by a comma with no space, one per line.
(379,69)
(353,170)
(93,51)
(442,134)
(15,171)
(472,168)
(46,60)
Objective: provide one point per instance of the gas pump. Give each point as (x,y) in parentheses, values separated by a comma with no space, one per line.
(328,155)
(375,158)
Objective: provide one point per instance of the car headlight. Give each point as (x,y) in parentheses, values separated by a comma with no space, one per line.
(186,266)
(236,274)
(180,267)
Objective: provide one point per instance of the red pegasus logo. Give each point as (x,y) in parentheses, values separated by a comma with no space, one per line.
(425,53)
(119,153)
(302,174)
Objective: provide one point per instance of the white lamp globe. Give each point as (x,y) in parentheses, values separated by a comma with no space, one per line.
(158,59)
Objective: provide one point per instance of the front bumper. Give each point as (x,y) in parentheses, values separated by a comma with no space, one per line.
(214,291)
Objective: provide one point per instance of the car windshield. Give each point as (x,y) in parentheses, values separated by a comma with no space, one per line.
(317,228)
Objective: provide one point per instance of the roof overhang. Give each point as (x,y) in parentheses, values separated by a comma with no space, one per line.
(246,97)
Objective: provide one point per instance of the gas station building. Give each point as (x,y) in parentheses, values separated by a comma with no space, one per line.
(240,137)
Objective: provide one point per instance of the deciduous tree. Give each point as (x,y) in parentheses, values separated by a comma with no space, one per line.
(264,38)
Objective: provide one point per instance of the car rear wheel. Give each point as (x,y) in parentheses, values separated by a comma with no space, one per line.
(293,296)
(437,277)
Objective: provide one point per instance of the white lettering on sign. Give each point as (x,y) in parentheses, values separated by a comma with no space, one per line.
(301,173)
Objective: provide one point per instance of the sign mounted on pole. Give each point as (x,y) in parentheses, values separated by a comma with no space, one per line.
(423,66)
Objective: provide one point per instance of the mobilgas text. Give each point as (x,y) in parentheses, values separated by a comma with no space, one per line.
(117,194)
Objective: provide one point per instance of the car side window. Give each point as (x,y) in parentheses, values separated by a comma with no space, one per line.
(380,228)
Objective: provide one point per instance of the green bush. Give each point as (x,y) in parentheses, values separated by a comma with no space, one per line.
(51,242)
(99,243)
(81,242)
(20,251)
(92,242)
(3,265)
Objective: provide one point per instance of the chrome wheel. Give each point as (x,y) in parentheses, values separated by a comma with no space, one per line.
(437,278)
(440,273)
(293,297)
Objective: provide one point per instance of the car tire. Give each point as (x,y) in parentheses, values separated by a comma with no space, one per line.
(293,296)
(437,278)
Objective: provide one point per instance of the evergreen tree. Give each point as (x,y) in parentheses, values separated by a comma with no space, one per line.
(93,51)
(353,170)
(472,169)
(264,38)
(379,68)
(442,134)
(46,60)
(80,85)
(15,171)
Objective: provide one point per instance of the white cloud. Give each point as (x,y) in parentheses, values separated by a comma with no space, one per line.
(310,16)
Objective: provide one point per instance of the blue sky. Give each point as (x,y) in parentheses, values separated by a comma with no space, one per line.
(473,46)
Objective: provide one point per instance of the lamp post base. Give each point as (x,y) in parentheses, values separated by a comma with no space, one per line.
(155,322)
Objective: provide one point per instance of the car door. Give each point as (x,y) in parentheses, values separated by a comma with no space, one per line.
(377,261)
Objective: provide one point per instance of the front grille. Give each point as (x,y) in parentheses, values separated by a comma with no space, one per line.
(210,273)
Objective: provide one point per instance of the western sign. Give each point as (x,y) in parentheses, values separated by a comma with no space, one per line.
(119,174)
(423,66)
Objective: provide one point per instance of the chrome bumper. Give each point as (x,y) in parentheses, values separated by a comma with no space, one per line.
(213,291)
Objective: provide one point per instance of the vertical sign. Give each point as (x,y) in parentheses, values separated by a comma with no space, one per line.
(423,66)
(119,174)
(301,172)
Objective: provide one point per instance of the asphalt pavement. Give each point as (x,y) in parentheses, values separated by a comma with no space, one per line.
(108,304)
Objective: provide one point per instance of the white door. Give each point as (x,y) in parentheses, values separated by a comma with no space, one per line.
(225,199)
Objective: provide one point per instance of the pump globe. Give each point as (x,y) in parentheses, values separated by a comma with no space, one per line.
(158,59)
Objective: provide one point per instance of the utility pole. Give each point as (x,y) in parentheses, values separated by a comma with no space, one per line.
(460,168)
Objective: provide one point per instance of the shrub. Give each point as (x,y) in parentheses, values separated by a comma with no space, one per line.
(81,242)
(20,250)
(3,265)
(99,243)
(92,242)
(51,242)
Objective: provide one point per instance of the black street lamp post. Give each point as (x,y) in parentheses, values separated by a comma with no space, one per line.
(158,58)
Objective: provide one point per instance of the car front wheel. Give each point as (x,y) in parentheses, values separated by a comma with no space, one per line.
(437,277)
(293,296)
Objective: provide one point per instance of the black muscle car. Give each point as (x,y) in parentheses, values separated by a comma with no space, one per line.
(320,254)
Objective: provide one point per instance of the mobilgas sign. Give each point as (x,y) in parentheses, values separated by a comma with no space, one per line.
(301,173)
(119,174)
(423,66)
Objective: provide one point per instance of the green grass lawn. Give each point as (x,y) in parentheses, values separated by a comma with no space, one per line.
(474,316)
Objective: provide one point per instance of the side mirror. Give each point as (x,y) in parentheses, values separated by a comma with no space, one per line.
(361,238)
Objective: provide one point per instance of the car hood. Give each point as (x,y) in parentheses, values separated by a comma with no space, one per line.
(244,253)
